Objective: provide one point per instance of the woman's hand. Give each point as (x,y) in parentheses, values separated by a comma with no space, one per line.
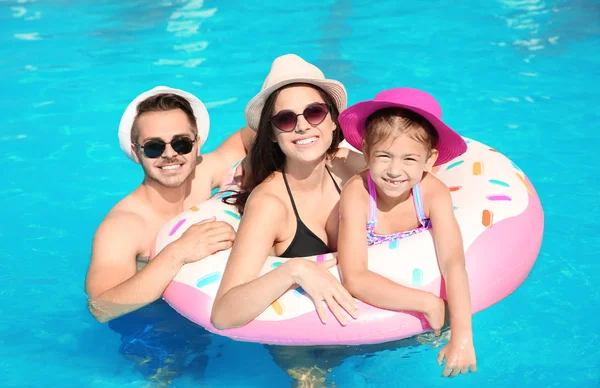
(324,288)
(460,356)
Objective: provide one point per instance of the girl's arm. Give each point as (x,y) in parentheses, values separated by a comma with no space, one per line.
(459,353)
(243,295)
(451,258)
(364,284)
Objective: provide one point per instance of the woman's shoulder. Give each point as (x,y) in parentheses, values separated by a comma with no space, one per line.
(268,196)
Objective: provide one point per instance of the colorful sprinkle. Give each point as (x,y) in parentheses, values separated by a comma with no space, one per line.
(477,168)
(299,291)
(498,198)
(468,141)
(276,264)
(455,208)
(455,164)
(277,307)
(320,258)
(208,279)
(487,218)
(417,277)
(177,225)
(226,194)
(455,188)
(230,213)
(525,183)
(493,150)
(194,208)
(499,183)
(394,244)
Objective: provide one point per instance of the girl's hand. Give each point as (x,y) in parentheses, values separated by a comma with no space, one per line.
(460,356)
(324,288)
(435,313)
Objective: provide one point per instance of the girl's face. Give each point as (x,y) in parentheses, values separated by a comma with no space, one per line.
(397,164)
(306,142)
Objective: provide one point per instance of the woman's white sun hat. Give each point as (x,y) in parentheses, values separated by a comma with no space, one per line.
(200,112)
(290,69)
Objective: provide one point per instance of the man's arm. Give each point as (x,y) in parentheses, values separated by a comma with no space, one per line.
(231,151)
(113,284)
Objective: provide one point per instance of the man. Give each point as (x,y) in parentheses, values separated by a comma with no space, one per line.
(163,130)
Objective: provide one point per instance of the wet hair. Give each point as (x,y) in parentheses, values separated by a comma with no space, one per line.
(162,103)
(388,122)
(266,157)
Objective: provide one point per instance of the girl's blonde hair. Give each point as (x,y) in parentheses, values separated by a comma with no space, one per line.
(387,122)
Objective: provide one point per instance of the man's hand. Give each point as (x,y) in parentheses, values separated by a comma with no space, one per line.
(203,239)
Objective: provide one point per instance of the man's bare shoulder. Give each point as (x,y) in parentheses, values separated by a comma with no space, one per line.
(127,216)
(117,242)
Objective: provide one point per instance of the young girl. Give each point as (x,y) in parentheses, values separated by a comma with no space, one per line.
(402,137)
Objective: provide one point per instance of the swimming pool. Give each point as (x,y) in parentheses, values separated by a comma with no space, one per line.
(516,75)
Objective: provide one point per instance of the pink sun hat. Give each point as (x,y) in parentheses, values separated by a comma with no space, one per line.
(352,120)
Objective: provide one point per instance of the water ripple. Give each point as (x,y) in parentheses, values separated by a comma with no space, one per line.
(28,36)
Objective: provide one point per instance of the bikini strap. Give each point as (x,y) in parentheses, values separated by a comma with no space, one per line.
(334,182)
(287,186)
(372,198)
(419,204)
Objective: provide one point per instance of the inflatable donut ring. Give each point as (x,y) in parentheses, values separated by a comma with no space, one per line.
(501,221)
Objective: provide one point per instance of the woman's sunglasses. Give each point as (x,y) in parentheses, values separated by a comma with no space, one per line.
(286,120)
(155,147)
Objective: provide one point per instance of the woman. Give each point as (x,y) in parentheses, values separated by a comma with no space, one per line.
(290,197)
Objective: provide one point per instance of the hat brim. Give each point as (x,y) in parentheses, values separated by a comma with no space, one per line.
(352,121)
(334,88)
(200,112)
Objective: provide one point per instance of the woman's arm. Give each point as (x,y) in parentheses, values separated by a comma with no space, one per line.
(367,285)
(243,295)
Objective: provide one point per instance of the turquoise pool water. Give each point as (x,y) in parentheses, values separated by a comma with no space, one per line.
(518,75)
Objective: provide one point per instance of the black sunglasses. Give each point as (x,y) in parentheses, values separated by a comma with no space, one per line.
(286,120)
(155,147)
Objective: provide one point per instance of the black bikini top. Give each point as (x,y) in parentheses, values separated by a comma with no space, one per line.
(305,242)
